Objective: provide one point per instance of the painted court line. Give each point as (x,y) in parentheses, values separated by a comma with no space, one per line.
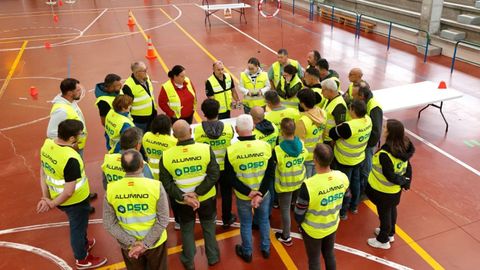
(35,250)
(13,68)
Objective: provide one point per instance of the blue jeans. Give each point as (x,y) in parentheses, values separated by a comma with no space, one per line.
(273,197)
(310,168)
(244,209)
(353,174)
(78,220)
(366,167)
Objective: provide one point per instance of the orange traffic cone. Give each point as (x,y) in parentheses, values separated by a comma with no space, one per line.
(150,51)
(131,21)
(33,91)
(60,3)
(55,18)
(442,85)
(47,45)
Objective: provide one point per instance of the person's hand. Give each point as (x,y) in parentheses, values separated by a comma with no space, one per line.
(44,205)
(137,250)
(192,202)
(406,186)
(256,201)
(254,193)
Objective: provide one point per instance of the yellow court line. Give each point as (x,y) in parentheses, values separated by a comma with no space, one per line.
(177,249)
(160,59)
(405,237)
(286,259)
(12,69)
(64,36)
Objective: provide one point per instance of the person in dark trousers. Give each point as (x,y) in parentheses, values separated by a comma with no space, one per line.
(317,209)
(221,87)
(391,172)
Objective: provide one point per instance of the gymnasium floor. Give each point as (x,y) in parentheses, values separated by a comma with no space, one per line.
(439,218)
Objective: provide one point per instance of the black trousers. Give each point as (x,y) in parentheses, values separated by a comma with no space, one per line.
(226,193)
(320,247)
(189,119)
(387,211)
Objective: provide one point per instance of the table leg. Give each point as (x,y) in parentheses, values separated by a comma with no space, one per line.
(441,113)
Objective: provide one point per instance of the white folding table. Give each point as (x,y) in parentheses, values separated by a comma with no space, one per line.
(211,9)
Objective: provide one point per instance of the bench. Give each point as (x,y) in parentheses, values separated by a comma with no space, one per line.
(346,19)
(211,9)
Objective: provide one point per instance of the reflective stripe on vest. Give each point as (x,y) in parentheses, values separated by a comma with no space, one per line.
(134,200)
(187,164)
(329,108)
(113,126)
(313,135)
(290,171)
(351,151)
(143,101)
(326,192)
(249,160)
(73,114)
(223,96)
(260,83)
(155,145)
(218,145)
(53,159)
(174,101)
(278,114)
(378,181)
(277,70)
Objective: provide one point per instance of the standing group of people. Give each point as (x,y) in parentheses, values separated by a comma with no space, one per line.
(313,151)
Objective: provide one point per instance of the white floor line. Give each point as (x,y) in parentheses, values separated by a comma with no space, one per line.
(35,250)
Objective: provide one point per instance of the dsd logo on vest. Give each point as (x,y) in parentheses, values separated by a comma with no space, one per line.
(331,199)
(297,161)
(188,169)
(132,207)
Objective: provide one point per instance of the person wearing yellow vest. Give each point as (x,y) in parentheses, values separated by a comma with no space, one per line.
(218,135)
(177,97)
(250,166)
(189,172)
(312,81)
(312,58)
(158,140)
(112,167)
(316,211)
(254,83)
(351,138)
(277,110)
(335,108)
(374,110)
(327,73)
(290,156)
(65,185)
(276,70)
(220,86)
(105,93)
(355,77)
(135,213)
(289,86)
(140,88)
(391,172)
(117,121)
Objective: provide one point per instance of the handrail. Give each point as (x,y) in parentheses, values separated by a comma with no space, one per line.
(455,51)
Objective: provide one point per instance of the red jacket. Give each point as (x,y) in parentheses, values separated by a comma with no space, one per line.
(186,98)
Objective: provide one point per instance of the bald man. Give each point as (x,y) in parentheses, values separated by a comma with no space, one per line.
(220,86)
(355,77)
(264,130)
(189,172)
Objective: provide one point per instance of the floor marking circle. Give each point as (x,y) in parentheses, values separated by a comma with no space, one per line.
(38,251)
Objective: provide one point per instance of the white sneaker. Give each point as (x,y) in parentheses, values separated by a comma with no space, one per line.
(373,242)
(390,238)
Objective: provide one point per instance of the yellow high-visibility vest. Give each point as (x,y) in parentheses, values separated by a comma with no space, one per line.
(187,164)
(378,181)
(351,151)
(331,105)
(54,158)
(271,138)
(155,145)
(143,101)
(134,200)
(290,171)
(72,114)
(219,145)
(260,83)
(223,96)
(277,74)
(293,101)
(112,167)
(276,116)
(113,126)
(174,101)
(313,135)
(326,192)
(249,160)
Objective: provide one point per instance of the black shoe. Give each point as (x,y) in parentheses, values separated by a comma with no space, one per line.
(92,210)
(239,252)
(229,223)
(255,227)
(265,254)
(213,263)
(92,196)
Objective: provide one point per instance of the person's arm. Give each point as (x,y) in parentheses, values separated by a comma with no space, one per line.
(161,221)
(242,87)
(389,172)
(339,114)
(341,131)
(234,92)
(43,184)
(103,109)
(163,103)
(236,183)
(268,177)
(280,91)
(71,173)
(292,90)
(147,171)
(213,174)
(110,223)
(301,206)
(377,118)
(300,130)
(208,89)
(169,184)
(266,88)
(127,91)
(55,118)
